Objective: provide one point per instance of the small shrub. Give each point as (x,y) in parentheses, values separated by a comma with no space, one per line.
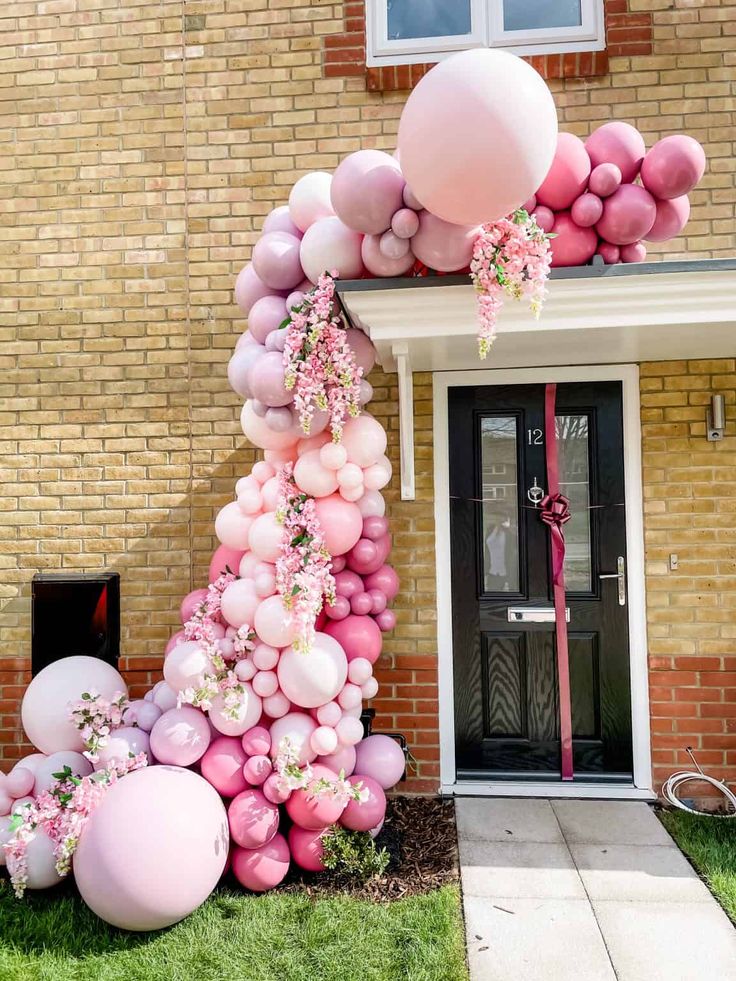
(353,853)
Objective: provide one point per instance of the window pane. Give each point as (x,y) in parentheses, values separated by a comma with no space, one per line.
(427,18)
(572,449)
(530,15)
(500,506)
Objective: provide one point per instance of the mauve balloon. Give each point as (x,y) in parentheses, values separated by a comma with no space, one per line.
(367,190)
(266,314)
(673,166)
(573,246)
(618,143)
(276,260)
(628,215)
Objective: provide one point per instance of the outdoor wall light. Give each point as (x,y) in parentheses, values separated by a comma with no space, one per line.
(716,418)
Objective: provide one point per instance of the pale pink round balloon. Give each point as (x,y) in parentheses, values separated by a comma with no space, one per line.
(568,175)
(628,215)
(313,477)
(673,166)
(232,527)
(477,136)
(297,727)
(330,246)
(309,199)
(260,869)
(265,657)
(185,665)
(279,220)
(349,729)
(266,536)
(672,216)
(367,190)
(380,265)
(441,245)
(276,260)
(222,765)
(324,740)
(273,623)
(381,758)
(265,683)
(180,736)
(365,440)
(315,813)
(123,743)
(341,523)
(604,179)
(248,712)
(618,143)
(329,715)
(362,347)
(405,223)
(366,815)
(307,848)
(341,761)
(392,246)
(573,246)
(19,782)
(311,678)
(586,210)
(256,430)
(153,849)
(238,602)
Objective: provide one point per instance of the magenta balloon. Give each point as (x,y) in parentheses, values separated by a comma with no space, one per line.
(180,736)
(259,869)
(363,553)
(266,315)
(568,175)
(359,636)
(330,246)
(279,220)
(253,819)
(339,609)
(375,527)
(249,288)
(381,758)
(367,190)
(618,143)
(224,558)
(380,265)
(362,816)
(307,848)
(348,583)
(222,766)
(384,579)
(628,215)
(673,166)
(362,347)
(238,368)
(604,179)
(191,602)
(477,136)
(611,253)
(573,246)
(405,223)
(361,604)
(443,246)
(635,252)
(276,260)
(386,621)
(315,813)
(267,382)
(379,600)
(392,246)
(586,210)
(545,218)
(672,216)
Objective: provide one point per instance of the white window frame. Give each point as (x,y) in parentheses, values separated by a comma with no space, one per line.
(487,31)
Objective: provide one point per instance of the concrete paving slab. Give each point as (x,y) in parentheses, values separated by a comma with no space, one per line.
(534,940)
(662,941)
(519,869)
(638,872)
(608,822)
(506,819)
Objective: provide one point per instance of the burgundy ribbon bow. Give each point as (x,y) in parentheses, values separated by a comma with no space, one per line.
(555,512)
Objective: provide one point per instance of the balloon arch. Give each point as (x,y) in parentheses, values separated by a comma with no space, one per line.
(256,726)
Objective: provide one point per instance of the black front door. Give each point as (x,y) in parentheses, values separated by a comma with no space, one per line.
(505,673)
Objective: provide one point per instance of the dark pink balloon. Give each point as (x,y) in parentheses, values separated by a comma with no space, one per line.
(673,166)
(386,621)
(366,815)
(339,609)
(307,848)
(338,563)
(222,766)
(253,819)
(586,210)
(224,558)
(545,218)
(604,179)
(672,216)
(384,579)
(628,215)
(175,638)
(348,583)
(635,252)
(361,604)
(375,527)
(359,636)
(191,602)
(378,601)
(259,869)
(611,253)
(384,550)
(567,178)
(573,246)
(618,143)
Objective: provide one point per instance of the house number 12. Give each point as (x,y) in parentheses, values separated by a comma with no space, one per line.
(535,437)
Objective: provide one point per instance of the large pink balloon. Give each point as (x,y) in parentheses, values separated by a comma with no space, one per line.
(180,736)
(297,727)
(380,265)
(477,136)
(574,246)
(628,215)
(259,869)
(441,245)
(381,758)
(341,523)
(309,199)
(224,558)
(45,706)
(364,438)
(359,636)
(253,819)
(311,678)
(330,246)
(274,623)
(618,143)
(673,167)
(315,812)
(364,816)
(367,189)
(307,848)
(568,176)
(672,216)
(153,849)
(276,260)
(249,288)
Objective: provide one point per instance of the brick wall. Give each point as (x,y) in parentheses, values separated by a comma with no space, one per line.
(142,144)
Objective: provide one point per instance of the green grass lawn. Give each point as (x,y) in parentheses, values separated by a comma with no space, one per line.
(236,937)
(710,844)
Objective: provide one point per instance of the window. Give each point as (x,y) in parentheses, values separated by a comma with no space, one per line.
(404,32)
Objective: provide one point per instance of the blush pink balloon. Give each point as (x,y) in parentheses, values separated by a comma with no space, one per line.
(573,246)
(313,477)
(257,431)
(309,199)
(265,657)
(306,848)
(265,537)
(611,253)
(224,558)
(405,223)
(359,636)
(618,143)
(364,438)
(392,246)
(586,210)
(634,252)
(628,215)
(341,523)
(276,260)
(382,759)
(257,770)
(222,766)
(672,216)
(315,813)
(256,741)
(380,265)
(249,288)
(604,179)
(333,456)
(267,382)
(477,136)
(411,200)
(297,727)
(673,166)
(266,315)
(568,175)
(330,246)
(260,869)
(265,683)
(363,816)
(274,790)
(239,602)
(232,527)
(180,736)
(324,740)
(19,782)
(341,761)
(253,819)
(279,220)
(367,189)
(248,712)
(441,245)
(545,218)
(273,623)
(185,665)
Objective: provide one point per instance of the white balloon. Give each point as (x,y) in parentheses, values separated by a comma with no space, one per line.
(184,665)
(329,246)
(311,678)
(309,199)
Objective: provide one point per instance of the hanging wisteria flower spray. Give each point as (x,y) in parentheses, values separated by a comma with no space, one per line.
(511,257)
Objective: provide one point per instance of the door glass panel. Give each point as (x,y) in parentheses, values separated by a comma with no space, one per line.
(500,508)
(573,455)
(530,15)
(427,18)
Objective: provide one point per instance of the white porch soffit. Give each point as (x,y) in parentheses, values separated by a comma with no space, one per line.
(658,311)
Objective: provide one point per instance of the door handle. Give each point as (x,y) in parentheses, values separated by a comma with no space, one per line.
(621,576)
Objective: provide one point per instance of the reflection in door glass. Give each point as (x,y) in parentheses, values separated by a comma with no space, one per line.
(500,509)
(572,449)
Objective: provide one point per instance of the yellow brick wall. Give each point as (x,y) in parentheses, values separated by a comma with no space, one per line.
(142,144)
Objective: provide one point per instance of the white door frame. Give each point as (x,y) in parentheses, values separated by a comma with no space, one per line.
(628,374)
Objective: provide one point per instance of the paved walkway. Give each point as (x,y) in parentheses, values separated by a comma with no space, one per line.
(584,890)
